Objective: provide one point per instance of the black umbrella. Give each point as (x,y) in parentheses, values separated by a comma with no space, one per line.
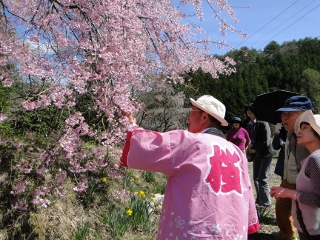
(265,105)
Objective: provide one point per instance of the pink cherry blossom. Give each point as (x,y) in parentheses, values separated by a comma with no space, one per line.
(2,117)
(22,206)
(19,188)
(105,52)
(82,186)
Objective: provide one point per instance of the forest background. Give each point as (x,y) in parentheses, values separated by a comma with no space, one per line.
(61,124)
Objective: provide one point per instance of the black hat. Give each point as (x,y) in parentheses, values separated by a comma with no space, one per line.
(248,107)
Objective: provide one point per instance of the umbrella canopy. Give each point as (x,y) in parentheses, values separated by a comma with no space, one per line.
(265,105)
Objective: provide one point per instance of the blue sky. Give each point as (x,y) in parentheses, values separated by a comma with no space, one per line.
(268,20)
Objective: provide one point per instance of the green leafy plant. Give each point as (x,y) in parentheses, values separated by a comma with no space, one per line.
(117,222)
(142,211)
(81,233)
(264,214)
(149,176)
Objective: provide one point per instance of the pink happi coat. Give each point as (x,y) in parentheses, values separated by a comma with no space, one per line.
(208,193)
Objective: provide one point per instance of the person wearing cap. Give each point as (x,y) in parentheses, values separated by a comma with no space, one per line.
(294,154)
(238,135)
(262,153)
(306,196)
(208,193)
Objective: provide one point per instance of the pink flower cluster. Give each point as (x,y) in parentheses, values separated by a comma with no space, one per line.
(38,200)
(22,206)
(121,194)
(19,188)
(82,186)
(2,117)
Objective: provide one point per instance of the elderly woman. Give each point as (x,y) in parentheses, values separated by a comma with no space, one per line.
(306,197)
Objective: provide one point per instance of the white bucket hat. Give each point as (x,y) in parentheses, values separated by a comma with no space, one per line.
(211,106)
(309,117)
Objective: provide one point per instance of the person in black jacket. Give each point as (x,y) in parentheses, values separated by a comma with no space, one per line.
(278,142)
(261,148)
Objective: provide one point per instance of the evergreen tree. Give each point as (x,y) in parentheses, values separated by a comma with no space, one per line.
(310,86)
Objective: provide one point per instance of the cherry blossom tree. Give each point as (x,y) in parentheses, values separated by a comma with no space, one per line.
(107,50)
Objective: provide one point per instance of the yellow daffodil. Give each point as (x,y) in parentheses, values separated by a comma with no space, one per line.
(153,199)
(129,212)
(142,194)
(104,179)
